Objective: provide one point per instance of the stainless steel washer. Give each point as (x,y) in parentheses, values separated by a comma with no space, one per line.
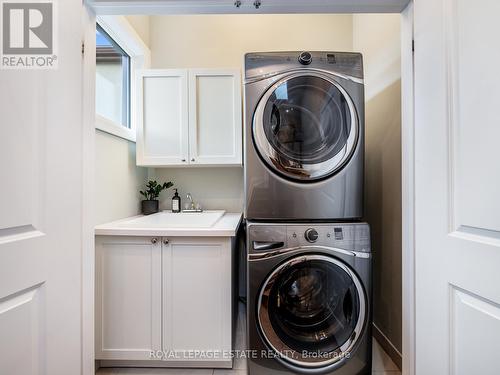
(309,298)
(304,135)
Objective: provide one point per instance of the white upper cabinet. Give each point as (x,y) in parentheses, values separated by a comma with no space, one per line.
(215,116)
(189,117)
(162,128)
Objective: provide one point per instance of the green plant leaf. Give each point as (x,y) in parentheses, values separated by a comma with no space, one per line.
(153,189)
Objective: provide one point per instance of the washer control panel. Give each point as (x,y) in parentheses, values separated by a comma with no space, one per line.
(347,236)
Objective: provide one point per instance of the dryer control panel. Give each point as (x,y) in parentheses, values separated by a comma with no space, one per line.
(260,64)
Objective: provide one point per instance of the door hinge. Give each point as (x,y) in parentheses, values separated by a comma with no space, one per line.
(413,45)
(83,48)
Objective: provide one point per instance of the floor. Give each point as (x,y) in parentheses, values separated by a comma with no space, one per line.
(382,364)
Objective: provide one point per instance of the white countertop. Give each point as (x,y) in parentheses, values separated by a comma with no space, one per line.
(158,225)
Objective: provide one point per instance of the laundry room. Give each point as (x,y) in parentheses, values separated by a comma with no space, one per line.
(249,187)
(183,103)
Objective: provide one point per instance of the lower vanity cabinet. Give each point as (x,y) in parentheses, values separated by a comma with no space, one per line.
(128,297)
(171,296)
(197,297)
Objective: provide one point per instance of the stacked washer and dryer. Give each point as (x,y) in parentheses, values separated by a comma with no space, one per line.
(309,256)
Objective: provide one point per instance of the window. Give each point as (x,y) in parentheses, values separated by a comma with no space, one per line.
(112,80)
(120,53)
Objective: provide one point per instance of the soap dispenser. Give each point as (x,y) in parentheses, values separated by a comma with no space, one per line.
(176,202)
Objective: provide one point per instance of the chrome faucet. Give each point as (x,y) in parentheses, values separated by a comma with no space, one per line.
(192,206)
(188,196)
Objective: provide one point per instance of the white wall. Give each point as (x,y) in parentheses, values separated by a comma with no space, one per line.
(216,41)
(205,41)
(378,38)
(141,26)
(117,178)
(214,188)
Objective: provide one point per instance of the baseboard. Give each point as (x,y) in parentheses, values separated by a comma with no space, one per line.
(223,364)
(388,346)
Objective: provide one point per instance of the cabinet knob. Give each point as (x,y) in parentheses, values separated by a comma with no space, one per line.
(192,159)
(165,241)
(154,240)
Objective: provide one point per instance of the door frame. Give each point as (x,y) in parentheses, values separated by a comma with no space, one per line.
(408,189)
(407,149)
(88,191)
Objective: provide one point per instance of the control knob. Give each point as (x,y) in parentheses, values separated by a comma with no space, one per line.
(311,235)
(305,58)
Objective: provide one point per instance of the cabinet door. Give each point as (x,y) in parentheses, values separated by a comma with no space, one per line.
(128,297)
(215,128)
(162,123)
(197,296)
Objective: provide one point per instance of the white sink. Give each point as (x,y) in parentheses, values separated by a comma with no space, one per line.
(168,219)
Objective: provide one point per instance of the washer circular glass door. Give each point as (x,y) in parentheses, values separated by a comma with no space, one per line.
(311,311)
(305,127)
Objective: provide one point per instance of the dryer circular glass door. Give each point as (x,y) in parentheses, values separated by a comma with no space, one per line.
(311,311)
(305,127)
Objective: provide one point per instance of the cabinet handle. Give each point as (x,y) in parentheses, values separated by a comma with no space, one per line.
(165,241)
(183,160)
(192,159)
(154,240)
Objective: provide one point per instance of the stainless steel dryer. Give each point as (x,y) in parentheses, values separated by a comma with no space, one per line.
(309,299)
(304,135)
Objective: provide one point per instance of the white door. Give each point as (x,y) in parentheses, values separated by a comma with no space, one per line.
(215,127)
(128,297)
(457,186)
(162,123)
(41,209)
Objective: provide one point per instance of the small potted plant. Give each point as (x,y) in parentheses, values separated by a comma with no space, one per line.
(151,205)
